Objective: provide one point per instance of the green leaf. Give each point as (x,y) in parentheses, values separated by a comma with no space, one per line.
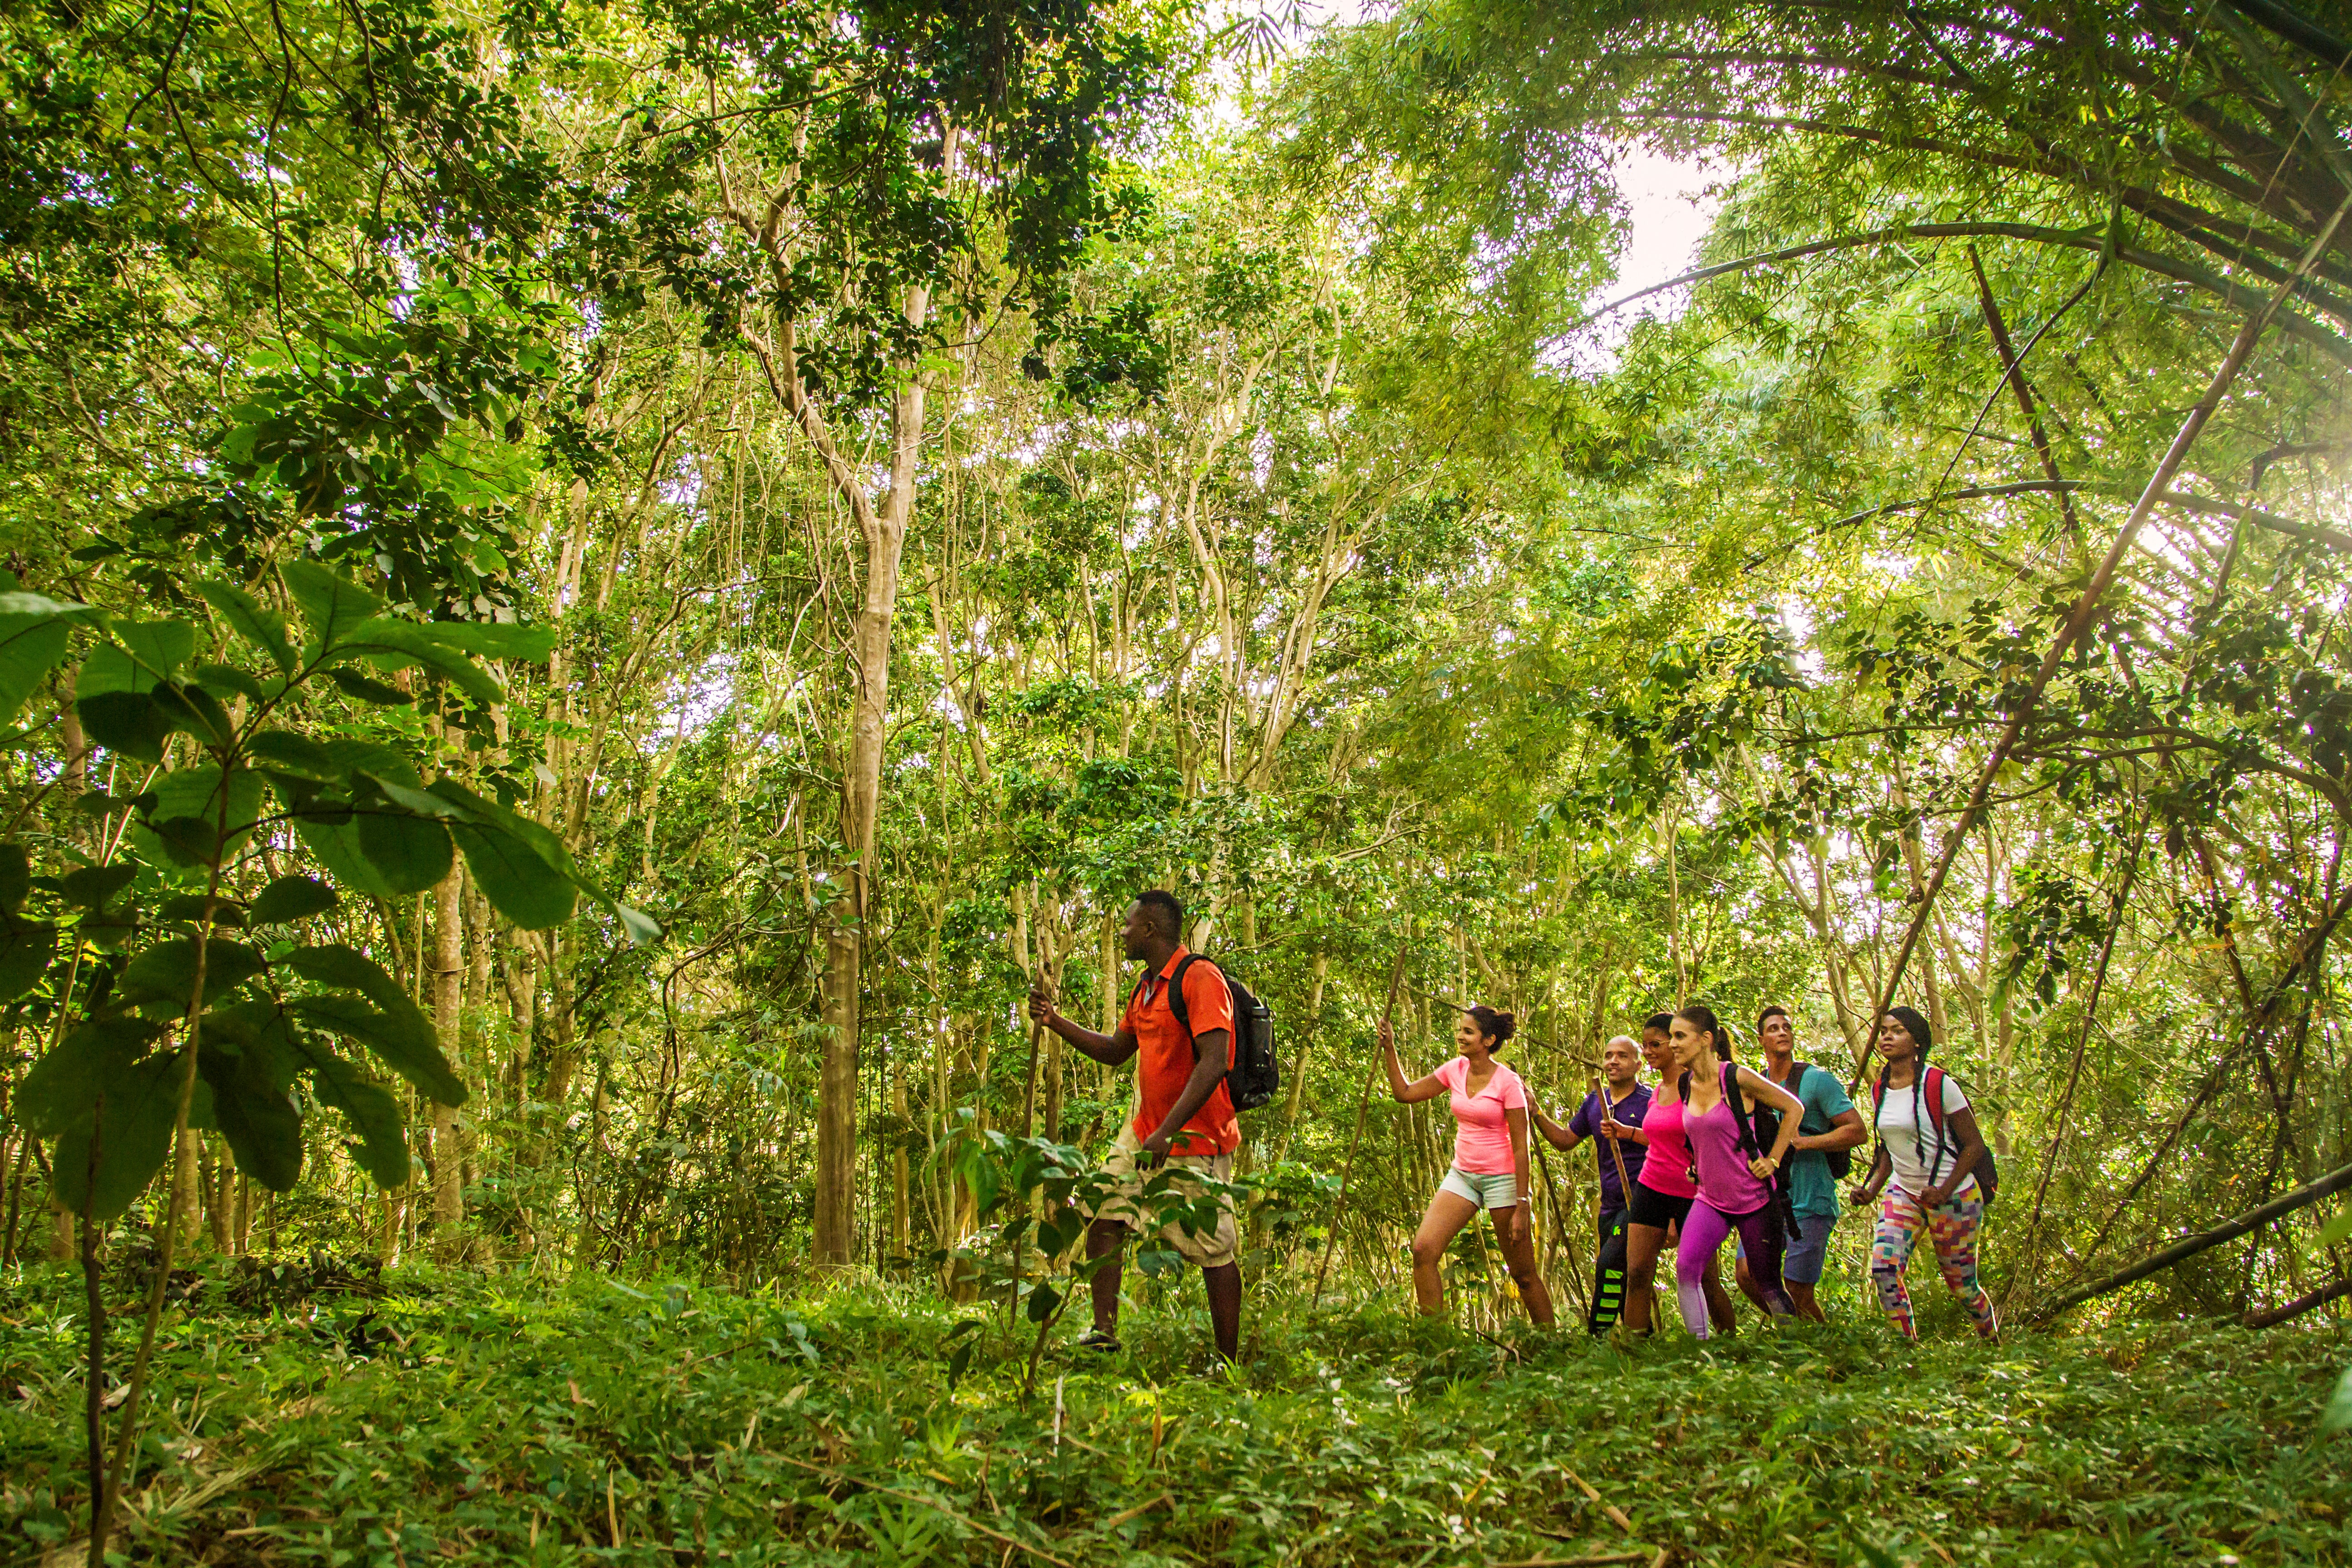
(414,1053)
(259,1119)
(337,848)
(407,641)
(250,619)
(334,606)
(134,1125)
(191,908)
(25,949)
(157,648)
(293,754)
(167,969)
(193,710)
(520,884)
(2336,1229)
(536,838)
(260,1027)
(292,898)
(410,852)
(367,1105)
(124,721)
(1043,1301)
(220,679)
(92,887)
(489,639)
(198,794)
(348,969)
(354,685)
(2337,1416)
(16,876)
(30,646)
(60,1088)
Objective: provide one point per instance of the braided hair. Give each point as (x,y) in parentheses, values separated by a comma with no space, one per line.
(1924,1034)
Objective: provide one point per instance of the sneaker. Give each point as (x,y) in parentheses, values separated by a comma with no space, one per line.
(1097,1341)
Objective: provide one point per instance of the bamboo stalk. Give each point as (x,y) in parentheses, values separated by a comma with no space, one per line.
(1363,1104)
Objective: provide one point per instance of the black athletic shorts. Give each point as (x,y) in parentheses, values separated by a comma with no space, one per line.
(1655,1209)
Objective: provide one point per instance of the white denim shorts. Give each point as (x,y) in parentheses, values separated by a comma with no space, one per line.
(1488,1190)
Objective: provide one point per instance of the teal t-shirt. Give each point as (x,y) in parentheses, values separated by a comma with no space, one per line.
(1811,1189)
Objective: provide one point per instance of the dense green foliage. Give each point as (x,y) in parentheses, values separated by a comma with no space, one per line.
(425,1412)
(593,590)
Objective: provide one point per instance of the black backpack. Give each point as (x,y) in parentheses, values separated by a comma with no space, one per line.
(1254,1078)
(1840,1161)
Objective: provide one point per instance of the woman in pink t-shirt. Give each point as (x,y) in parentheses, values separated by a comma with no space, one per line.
(1490,1160)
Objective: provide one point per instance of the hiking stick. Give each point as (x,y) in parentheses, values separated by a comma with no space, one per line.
(1625,1187)
(1050,982)
(1363,1103)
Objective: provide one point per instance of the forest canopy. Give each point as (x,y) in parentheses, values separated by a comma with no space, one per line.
(597,590)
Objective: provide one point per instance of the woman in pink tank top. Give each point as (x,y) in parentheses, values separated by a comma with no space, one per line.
(1662,1198)
(1490,1159)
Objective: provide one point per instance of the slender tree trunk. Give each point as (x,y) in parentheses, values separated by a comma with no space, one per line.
(837,1127)
(448,987)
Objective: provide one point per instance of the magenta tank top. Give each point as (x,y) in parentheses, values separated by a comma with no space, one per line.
(1724,1178)
(1665,1169)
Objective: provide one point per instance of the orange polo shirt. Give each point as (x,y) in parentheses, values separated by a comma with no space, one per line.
(1164,1055)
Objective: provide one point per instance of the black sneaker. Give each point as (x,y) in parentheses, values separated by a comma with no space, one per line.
(1097,1341)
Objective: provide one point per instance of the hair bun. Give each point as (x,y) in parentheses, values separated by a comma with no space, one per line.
(1495,1023)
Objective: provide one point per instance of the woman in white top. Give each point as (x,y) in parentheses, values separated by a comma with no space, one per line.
(1927,1154)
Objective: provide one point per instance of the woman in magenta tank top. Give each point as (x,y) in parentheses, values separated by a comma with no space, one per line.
(1663,1194)
(1736,1180)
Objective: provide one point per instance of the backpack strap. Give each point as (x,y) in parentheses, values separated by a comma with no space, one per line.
(1729,1084)
(1176,1002)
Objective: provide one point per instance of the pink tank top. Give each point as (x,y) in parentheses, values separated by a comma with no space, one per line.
(1724,1179)
(1665,1169)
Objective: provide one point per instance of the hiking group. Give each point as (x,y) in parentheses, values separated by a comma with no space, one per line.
(1715,1149)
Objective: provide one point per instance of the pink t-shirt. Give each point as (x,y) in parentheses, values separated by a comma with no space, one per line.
(1482,1140)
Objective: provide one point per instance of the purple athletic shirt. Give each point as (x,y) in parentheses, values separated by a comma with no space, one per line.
(1629,1112)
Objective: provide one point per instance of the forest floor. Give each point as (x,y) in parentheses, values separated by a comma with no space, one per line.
(427,1416)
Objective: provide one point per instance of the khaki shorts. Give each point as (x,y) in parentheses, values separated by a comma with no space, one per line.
(1210,1249)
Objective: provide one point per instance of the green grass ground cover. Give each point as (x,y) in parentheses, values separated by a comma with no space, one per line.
(488,1421)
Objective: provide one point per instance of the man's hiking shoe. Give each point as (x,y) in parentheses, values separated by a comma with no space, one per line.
(1096,1340)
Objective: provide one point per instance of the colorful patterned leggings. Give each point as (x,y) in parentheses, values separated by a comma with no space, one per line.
(1952,1229)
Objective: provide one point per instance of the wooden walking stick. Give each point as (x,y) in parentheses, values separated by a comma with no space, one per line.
(1363,1103)
(1049,981)
(1625,1187)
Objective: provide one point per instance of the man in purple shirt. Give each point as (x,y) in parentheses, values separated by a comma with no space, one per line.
(1605,1120)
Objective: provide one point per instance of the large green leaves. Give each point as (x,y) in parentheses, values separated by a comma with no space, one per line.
(367,1105)
(387,1022)
(262,628)
(133,1123)
(62,1087)
(413,1055)
(166,971)
(333,605)
(250,1103)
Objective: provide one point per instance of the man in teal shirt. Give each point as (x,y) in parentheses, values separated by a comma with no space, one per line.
(1831,1124)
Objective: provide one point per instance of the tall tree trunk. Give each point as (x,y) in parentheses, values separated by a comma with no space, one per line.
(448,990)
(861,792)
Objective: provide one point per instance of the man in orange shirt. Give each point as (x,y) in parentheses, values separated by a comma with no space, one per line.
(1185,1117)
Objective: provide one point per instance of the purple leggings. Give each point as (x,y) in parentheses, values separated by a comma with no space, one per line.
(1703,1232)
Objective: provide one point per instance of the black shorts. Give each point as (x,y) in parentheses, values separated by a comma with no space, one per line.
(1655,1209)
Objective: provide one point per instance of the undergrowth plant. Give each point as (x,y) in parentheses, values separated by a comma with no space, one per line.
(180,981)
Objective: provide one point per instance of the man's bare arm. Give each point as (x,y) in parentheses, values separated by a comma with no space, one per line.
(1109,1049)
